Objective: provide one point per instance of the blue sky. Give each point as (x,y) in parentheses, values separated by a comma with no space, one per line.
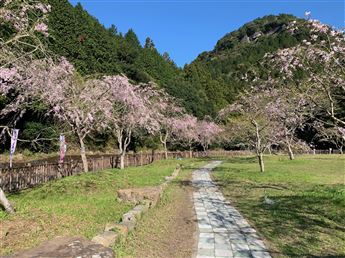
(185,28)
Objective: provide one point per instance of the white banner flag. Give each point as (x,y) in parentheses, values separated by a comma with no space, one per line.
(14,139)
(63,148)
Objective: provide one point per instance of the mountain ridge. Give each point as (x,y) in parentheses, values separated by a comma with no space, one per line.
(240,51)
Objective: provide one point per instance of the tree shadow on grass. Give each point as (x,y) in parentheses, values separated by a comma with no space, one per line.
(183,183)
(251,185)
(189,167)
(242,160)
(304,226)
(232,170)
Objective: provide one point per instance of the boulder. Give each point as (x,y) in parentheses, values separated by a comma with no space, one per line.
(169,178)
(137,195)
(245,39)
(139,210)
(173,175)
(129,216)
(110,227)
(130,225)
(118,228)
(147,204)
(107,238)
(163,186)
(67,247)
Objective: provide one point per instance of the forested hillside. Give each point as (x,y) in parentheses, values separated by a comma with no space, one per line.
(94,49)
(203,87)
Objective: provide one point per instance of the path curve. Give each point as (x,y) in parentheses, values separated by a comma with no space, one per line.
(223,232)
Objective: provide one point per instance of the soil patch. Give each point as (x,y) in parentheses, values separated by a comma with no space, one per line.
(167,231)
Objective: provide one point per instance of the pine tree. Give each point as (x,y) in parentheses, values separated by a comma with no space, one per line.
(132,39)
(113,30)
(149,43)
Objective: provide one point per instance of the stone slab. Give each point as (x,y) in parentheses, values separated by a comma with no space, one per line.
(67,247)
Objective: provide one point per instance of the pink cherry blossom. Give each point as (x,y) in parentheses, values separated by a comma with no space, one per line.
(322,63)
(134,108)
(184,129)
(208,132)
(43,28)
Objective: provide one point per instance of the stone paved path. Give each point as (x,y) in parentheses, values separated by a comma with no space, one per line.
(223,232)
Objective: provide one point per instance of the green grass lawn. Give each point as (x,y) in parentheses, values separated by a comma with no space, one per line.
(76,205)
(308,217)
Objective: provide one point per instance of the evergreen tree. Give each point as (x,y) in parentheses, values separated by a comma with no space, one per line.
(113,30)
(149,44)
(132,39)
(166,57)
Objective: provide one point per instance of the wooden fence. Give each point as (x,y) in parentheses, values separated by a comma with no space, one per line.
(27,176)
(313,151)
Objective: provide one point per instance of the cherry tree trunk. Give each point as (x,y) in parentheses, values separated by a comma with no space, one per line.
(165,150)
(163,140)
(122,160)
(261,162)
(83,155)
(204,147)
(190,152)
(291,155)
(259,151)
(269,150)
(4,201)
(341,150)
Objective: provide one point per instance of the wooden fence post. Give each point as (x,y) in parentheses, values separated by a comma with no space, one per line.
(17,181)
(71,170)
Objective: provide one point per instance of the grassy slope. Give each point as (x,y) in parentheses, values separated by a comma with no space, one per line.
(77,205)
(308,217)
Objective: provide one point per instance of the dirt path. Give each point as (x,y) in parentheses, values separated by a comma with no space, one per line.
(169,230)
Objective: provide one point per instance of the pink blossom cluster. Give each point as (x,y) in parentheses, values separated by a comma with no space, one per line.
(16,54)
(319,27)
(42,28)
(208,132)
(132,105)
(185,129)
(110,103)
(44,8)
(19,20)
(7,76)
(18,13)
(81,104)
